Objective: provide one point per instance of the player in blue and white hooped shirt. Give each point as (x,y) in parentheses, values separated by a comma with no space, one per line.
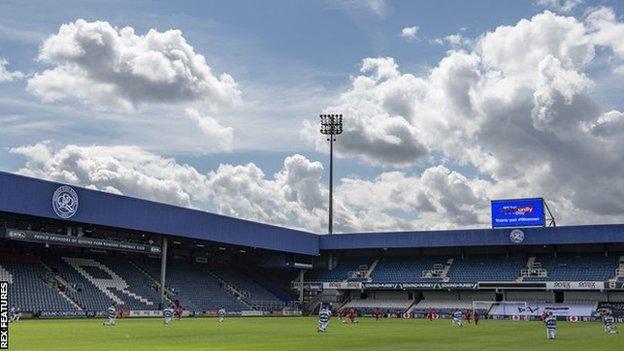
(551,326)
(458,318)
(111,312)
(609,323)
(13,315)
(168,314)
(221,314)
(324,315)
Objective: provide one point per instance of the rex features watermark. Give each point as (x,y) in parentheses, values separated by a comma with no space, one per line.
(4,315)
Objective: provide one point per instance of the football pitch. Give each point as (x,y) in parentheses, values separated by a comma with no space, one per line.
(299,333)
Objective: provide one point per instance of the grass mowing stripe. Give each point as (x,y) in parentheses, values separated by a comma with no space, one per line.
(299,333)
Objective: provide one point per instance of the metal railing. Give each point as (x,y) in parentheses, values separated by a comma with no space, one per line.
(534,272)
(432,273)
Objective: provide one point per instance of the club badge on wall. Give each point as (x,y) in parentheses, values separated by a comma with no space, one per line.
(516,236)
(65,201)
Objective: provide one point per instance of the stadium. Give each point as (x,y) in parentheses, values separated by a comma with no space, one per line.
(68,253)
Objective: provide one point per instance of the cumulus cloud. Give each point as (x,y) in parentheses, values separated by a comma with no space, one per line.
(437,198)
(514,110)
(375,126)
(6,75)
(409,32)
(115,68)
(516,106)
(563,6)
(117,169)
(294,196)
(606,30)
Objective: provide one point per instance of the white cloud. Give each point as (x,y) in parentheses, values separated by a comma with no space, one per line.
(118,169)
(606,30)
(456,40)
(409,32)
(517,50)
(563,6)
(293,197)
(111,68)
(6,75)
(374,124)
(610,124)
(437,198)
(221,136)
(516,107)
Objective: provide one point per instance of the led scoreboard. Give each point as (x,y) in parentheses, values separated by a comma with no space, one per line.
(518,213)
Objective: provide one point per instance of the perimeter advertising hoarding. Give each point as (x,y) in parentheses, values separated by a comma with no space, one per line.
(420,286)
(55,239)
(342,285)
(584,285)
(518,213)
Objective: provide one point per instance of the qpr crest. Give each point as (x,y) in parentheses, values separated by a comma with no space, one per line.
(516,236)
(65,201)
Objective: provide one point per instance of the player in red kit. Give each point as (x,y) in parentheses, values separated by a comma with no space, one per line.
(340,314)
(178,309)
(468,316)
(377,314)
(353,316)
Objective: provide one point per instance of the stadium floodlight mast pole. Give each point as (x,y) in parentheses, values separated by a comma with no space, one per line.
(331,125)
(163,271)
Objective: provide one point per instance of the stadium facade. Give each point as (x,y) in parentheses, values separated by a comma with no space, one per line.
(68,250)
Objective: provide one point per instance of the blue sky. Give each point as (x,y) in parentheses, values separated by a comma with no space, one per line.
(290,61)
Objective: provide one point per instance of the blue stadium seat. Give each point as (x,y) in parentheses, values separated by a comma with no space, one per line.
(486,268)
(340,272)
(195,287)
(254,293)
(405,269)
(31,289)
(577,267)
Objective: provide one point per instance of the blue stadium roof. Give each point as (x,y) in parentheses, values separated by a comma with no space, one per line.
(29,196)
(33,197)
(588,234)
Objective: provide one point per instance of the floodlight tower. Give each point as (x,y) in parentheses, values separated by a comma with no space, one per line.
(331,125)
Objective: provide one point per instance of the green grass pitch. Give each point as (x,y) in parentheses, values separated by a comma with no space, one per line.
(299,333)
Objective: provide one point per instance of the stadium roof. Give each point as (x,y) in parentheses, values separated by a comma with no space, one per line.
(587,234)
(34,197)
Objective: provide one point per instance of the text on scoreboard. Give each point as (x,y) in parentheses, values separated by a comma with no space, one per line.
(518,213)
